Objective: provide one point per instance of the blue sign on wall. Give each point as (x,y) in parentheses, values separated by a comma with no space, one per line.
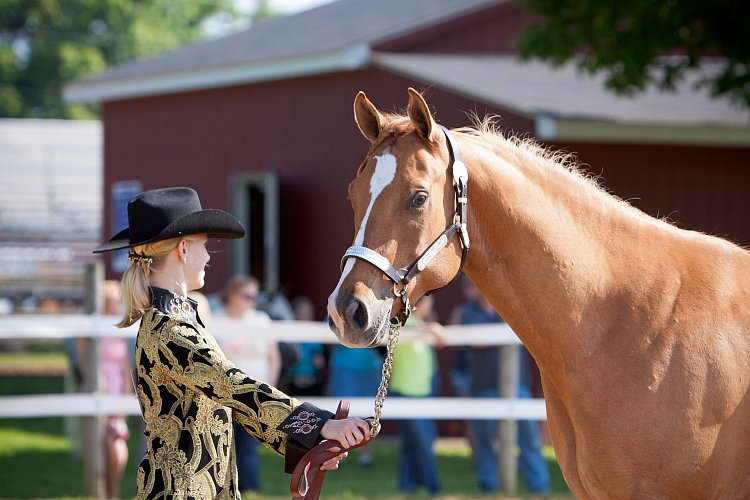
(122,192)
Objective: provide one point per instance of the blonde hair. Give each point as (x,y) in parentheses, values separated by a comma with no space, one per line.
(135,281)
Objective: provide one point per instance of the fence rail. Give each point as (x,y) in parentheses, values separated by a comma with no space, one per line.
(60,326)
(96,404)
(46,327)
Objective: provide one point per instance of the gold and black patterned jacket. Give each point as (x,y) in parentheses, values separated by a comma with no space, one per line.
(189,393)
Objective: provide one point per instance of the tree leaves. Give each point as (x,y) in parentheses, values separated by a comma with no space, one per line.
(628,39)
(44,43)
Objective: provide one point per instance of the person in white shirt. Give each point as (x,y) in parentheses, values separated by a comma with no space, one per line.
(256,356)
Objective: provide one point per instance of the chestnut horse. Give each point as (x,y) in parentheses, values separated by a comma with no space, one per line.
(641,330)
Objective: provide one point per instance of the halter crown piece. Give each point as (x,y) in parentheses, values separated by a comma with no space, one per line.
(403,276)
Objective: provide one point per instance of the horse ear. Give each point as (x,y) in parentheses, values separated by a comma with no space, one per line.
(420,115)
(368,118)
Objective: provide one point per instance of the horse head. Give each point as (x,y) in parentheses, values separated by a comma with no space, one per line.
(403,199)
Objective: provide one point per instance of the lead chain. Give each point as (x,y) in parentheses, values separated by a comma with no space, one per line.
(393,332)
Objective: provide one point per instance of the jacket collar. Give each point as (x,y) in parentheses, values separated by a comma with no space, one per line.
(175,305)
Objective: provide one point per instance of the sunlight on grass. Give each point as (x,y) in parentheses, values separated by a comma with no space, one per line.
(549,453)
(24,361)
(13,441)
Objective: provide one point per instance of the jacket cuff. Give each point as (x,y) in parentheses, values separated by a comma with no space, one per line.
(292,456)
(305,423)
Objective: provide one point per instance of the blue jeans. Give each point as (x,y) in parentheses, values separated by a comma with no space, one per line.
(248,461)
(531,464)
(416,460)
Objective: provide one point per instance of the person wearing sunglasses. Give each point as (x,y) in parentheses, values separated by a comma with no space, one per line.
(253,355)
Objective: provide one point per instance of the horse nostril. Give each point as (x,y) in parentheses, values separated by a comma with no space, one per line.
(356,314)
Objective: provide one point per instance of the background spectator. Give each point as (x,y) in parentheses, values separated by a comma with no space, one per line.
(483,366)
(355,373)
(259,358)
(306,377)
(115,379)
(413,375)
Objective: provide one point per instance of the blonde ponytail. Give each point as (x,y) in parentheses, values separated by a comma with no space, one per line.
(135,281)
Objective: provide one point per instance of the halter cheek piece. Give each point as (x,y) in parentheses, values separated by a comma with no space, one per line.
(402,277)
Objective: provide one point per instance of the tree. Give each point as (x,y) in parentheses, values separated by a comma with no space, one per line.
(44,43)
(628,40)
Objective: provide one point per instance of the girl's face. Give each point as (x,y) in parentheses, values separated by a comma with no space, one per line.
(197,257)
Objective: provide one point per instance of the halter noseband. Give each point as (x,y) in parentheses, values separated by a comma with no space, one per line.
(403,276)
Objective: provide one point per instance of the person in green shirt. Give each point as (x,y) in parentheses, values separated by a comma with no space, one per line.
(413,375)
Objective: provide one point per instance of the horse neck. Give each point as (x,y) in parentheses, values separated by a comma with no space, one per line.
(543,250)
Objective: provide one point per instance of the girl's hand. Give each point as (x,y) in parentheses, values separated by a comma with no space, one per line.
(333,463)
(347,432)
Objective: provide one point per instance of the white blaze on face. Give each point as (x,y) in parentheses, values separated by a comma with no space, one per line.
(385,171)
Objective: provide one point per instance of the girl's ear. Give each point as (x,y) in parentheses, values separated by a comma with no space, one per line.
(181,249)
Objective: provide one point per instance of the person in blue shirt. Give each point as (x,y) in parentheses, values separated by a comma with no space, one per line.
(483,366)
(355,372)
(305,377)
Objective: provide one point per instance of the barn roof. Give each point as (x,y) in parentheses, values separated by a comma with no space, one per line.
(346,34)
(568,104)
(333,37)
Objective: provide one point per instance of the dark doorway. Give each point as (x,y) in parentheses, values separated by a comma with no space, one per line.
(255,203)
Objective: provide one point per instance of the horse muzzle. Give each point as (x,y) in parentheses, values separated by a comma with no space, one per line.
(357,321)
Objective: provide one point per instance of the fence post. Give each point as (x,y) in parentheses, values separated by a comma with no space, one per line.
(508,383)
(93,427)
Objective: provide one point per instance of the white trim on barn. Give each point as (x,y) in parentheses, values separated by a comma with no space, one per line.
(558,129)
(346,59)
(568,105)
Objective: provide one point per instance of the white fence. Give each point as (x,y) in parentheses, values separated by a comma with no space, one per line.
(97,404)
(45,327)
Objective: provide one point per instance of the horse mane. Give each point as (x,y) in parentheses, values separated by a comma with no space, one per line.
(516,148)
(487,129)
(527,149)
(519,149)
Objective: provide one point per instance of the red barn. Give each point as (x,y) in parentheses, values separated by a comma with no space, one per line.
(260,123)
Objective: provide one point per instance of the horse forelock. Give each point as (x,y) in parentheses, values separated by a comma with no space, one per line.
(394,127)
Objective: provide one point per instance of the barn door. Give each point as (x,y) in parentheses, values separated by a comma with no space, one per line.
(255,201)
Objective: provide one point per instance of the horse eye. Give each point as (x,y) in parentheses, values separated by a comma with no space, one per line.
(418,200)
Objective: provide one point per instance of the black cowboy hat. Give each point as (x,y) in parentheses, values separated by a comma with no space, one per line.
(165,213)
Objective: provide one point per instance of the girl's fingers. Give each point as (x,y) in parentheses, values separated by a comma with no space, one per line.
(333,463)
(365,427)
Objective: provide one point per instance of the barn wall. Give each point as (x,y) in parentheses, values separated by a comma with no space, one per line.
(695,187)
(303,130)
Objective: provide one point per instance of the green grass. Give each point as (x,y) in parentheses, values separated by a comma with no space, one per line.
(13,362)
(38,460)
